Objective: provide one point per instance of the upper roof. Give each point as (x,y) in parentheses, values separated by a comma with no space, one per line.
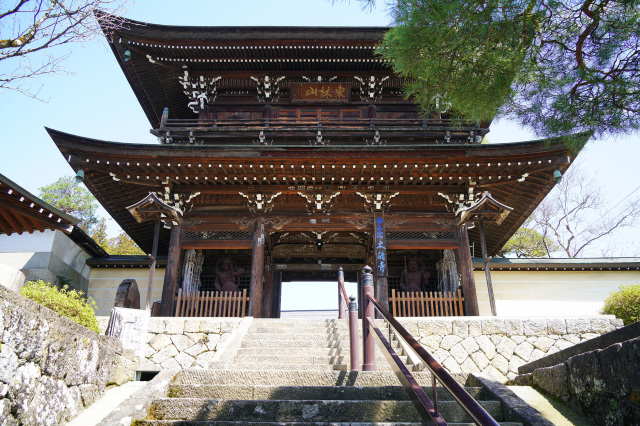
(152,57)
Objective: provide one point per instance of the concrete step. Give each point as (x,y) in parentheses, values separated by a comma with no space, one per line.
(238,423)
(295,378)
(301,357)
(310,410)
(360,393)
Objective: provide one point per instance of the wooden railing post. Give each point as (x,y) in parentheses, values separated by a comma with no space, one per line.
(368,342)
(340,297)
(353,334)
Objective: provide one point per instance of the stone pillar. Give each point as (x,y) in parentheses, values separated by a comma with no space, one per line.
(257,269)
(130,326)
(466,273)
(171,273)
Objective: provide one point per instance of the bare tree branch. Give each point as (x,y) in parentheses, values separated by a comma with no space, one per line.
(576,215)
(32,31)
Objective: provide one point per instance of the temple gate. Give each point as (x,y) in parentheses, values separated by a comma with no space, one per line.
(292,152)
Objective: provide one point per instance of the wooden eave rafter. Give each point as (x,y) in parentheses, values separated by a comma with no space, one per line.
(21,211)
(223,172)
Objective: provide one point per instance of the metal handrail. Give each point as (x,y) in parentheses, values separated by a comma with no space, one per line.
(351,307)
(470,405)
(343,300)
(421,401)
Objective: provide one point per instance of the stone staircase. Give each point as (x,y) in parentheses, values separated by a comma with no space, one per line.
(296,372)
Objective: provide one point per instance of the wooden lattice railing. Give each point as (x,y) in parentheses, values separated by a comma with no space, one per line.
(427,304)
(212,304)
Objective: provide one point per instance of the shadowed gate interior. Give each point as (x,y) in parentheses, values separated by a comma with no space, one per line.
(315,256)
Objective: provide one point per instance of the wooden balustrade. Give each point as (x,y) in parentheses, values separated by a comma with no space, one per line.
(427,304)
(212,304)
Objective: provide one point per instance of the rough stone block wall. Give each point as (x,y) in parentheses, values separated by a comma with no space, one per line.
(602,385)
(497,347)
(180,343)
(51,367)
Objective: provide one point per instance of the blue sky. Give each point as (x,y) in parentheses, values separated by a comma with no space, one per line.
(95,100)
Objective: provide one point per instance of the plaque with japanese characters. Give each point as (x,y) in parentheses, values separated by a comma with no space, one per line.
(320,92)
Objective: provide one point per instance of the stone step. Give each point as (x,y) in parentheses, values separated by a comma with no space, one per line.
(301,343)
(295,378)
(239,423)
(359,393)
(293,352)
(284,367)
(297,336)
(300,328)
(273,342)
(301,357)
(306,410)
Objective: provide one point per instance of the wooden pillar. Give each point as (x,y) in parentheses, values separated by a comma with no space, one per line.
(257,269)
(276,295)
(487,270)
(171,272)
(267,294)
(466,273)
(381,268)
(152,269)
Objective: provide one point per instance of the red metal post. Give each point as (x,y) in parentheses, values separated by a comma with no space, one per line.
(353,334)
(368,343)
(340,297)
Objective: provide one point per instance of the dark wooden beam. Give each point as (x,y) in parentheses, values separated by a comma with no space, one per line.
(257,269)
(466,272)
(216,244)
(422,244)
(487,270)
(171,272)
(294,188)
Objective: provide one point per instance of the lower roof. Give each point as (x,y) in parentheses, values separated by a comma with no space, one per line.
(119,175)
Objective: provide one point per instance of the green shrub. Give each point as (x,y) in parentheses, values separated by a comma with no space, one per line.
(624,303)
(68,303)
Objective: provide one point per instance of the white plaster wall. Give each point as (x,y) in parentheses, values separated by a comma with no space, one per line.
(71,254)
(104,282)
(29,243)
(550,293)
(45,255)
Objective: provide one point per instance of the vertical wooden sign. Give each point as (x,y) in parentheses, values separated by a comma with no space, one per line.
(380,245)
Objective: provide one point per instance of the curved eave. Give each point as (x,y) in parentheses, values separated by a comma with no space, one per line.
(144,31)
(92,147)
(21,211)
(100,158)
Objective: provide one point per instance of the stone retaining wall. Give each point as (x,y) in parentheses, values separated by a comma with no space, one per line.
(602,385)
(51,367)
(180,343)
(497,347)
